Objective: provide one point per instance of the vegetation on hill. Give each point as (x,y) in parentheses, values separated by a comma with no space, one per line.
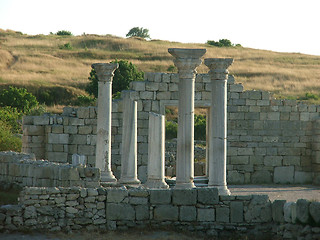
(55,68)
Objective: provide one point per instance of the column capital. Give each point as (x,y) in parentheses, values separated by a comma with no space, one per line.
(105,71)
(187,60)
(218,67)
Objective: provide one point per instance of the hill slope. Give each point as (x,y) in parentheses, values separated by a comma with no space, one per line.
(61,64)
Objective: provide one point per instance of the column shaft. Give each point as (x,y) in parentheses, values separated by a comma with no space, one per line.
(103,148)
(129,141)
(156,149)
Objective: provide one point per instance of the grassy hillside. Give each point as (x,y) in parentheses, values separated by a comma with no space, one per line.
(60,65)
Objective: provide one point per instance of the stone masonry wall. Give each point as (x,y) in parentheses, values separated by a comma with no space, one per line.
(24,170)
(269,140)
(200,210)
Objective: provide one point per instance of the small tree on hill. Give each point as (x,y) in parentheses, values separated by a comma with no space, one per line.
(125,73)
(138,32)
(64,33)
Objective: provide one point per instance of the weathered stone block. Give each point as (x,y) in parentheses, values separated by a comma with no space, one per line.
(138,85)
(262,176)
(259,209)
(184,196)
(120,211)
(314,210)
(41,120)
(302,177)
(303,210)
(116,195)
(160,196)
(205,215)
(166,213)
(83,112)
(277,211)
(208,196)
(236,212)
(32,130)
(61,157)
(222,214)
(188,213)
(287,211)
(142,212)
(283,174)
(235,177)
(58,138)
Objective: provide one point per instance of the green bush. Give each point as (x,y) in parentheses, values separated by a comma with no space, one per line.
(171,130)
(8,140)
(200,127)
(66,46)
(64,33)
(126,73)
(222,43)
(84,100)
(18,98)
(11,117)
(138,32)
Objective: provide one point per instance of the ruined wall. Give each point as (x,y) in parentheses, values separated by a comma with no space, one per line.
(200,210)
(24,170)
(269,140)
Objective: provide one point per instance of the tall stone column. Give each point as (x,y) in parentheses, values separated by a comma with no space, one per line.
(156,149)
(105,72)
(186,60)
(218,123)
(129,140)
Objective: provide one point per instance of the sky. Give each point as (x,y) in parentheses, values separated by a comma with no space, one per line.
(277,25)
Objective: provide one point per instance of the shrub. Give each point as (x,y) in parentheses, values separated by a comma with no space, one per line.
(171,130)
(222,43)
(11,117)
(200,127)
(84,100)
(18,98)
(8,140)
(126,73)
(64,33)
(66,46)
(138,32)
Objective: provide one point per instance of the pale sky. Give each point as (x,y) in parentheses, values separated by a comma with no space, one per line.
(278,25)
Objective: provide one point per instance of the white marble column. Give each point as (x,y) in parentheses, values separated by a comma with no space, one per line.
(105,72)
(218,123)
(186,60)
(156,149)
(129,140)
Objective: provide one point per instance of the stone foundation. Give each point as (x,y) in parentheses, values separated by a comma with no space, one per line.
(200,210)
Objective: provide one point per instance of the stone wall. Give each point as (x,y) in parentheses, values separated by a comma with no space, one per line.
(24,170)
(269,140)
(200,210)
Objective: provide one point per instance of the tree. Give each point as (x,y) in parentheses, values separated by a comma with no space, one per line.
(64,33)
(125,73)
(222,43)
(138,32)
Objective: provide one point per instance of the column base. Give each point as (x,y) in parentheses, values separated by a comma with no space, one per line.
(129,181)
(156,183)
(107,177)
(222,190)
(184,185)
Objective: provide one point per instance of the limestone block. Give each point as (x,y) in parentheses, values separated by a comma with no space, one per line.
(302,210)
(57,129)
(173,87)
(76,122)
(142,212)
(146,95)
(27,120)
(157,77)
(85,130)
(302,177)
(184,196)
(149,76)
(116,195)
(283,174)
(151,86)
(61,157)
(163,95)
(166,213)
(138,200)
(30,212)
(239,159)
(58,138)
(32,130)
(188,213)
(120,211)
(138,85)
(235,177)
(41,120)
(83,112)
(262,176)
(86,150)
(273,161)
(314,210)
(163,87)
(205,215)
(222,214)
(236,88)
(78,139)
(174,78)
(208,196)
(259,209)
(236,212)
(70,129)
(277,210)
(160,196)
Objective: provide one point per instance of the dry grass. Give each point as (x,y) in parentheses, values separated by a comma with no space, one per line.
(35,61)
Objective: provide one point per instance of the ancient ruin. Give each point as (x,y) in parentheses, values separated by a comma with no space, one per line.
(104,166)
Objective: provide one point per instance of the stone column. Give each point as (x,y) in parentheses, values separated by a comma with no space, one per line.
(156,149)
(218,123)
(186,60)
(105,72)
(129,140)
